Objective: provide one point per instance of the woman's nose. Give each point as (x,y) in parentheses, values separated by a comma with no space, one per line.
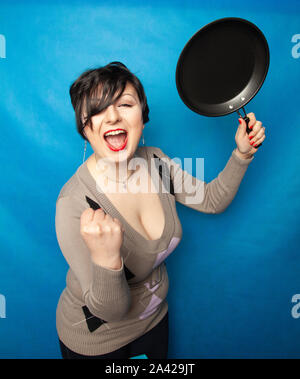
(111,114)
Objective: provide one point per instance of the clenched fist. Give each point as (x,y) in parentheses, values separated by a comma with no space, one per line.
(103,236)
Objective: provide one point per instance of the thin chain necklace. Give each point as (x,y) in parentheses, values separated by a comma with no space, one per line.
(124,182)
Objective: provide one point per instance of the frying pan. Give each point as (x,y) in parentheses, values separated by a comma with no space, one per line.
(222,67)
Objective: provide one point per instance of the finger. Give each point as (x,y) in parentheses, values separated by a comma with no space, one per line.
(87,216)
(92,228)
(242,127)
(108,218)
(256,128)
(106,222)
(118,222)
(260,140)
(99,215)
(258,135)
(106,228)
(252,120)
(117,228)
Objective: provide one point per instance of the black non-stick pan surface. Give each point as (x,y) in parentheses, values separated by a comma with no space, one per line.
(222,67)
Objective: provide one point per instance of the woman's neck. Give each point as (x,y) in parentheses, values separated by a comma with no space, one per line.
(113,171)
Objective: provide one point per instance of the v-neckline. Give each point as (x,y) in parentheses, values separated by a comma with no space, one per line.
(130,230)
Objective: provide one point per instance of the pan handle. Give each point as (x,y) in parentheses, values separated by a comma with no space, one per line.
(247,119)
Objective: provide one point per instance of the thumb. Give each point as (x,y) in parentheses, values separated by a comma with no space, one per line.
(242,125)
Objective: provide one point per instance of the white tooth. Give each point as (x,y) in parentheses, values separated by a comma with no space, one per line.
(114,132)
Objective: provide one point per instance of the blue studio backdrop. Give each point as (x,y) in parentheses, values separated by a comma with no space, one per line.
(234,278)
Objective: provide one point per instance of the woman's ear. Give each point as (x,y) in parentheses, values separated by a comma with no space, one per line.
(84,133)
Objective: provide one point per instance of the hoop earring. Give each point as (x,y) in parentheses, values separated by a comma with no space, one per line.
(143,139)
(85,143)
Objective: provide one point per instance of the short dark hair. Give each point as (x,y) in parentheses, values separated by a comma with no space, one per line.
(113,79)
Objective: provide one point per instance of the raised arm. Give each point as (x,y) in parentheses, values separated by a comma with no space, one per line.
(105,290)
(215,196)
(212,197)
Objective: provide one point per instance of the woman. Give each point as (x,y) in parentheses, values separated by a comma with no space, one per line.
(116,241)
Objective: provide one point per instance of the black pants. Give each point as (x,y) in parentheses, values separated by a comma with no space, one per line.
(154,344)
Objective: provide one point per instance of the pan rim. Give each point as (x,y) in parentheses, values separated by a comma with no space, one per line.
(187,46)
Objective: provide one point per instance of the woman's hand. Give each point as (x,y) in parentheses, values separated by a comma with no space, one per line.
(103,236)
(246,142)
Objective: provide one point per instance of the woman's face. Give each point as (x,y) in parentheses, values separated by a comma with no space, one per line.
(124,114)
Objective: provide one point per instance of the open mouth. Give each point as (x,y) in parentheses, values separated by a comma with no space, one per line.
(116,139)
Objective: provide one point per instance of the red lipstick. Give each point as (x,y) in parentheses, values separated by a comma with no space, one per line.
(114,148)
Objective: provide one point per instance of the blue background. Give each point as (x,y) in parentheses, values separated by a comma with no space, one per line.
(233,275)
